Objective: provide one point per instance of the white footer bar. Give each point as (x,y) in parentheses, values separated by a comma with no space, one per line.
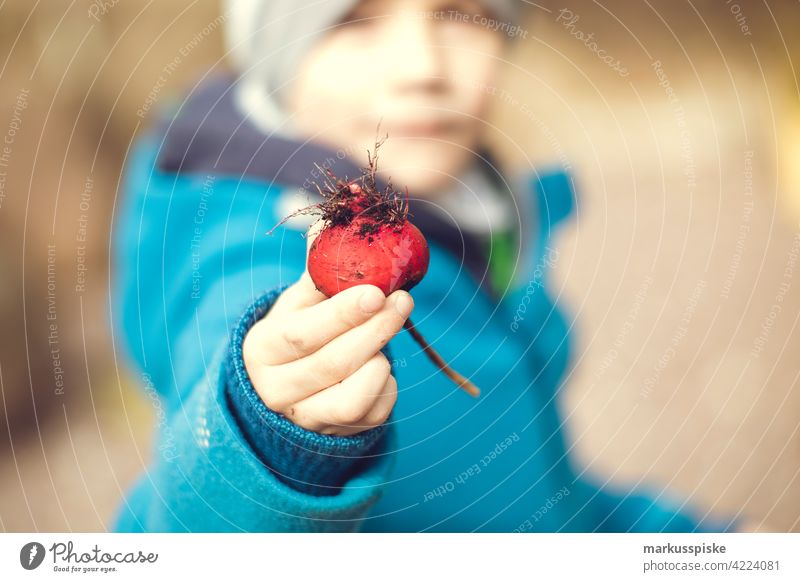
(376,557)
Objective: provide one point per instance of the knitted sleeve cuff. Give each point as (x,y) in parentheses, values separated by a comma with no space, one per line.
(308,461)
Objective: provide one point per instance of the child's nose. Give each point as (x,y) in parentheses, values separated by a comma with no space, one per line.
(416,60)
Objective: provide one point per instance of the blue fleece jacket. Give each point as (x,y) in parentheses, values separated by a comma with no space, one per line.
(194,270)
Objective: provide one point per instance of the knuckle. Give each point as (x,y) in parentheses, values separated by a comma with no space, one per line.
(330,369)
(383,363)
(382,337)
(390,398)
(302,416)
(343,312)
(348,412)
(380,416)
(274,400)
(251,343)
(248,352)
(391,395)
(388,326)
(385,405)
(293,340)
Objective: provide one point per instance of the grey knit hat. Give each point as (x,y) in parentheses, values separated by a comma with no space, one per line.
(266,41)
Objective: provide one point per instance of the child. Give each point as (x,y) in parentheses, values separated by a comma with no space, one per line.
(287,411)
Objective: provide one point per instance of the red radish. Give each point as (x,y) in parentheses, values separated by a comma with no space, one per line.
(386,256)
(368,239)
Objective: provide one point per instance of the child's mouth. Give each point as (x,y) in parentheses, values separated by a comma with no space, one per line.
(422,129)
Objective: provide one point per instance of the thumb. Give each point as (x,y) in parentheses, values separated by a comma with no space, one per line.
(305,282)
(311,234)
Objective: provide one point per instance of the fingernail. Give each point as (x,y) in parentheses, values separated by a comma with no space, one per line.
(404,304)
(371,300)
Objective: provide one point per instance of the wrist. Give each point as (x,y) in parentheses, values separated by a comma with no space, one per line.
(312,462)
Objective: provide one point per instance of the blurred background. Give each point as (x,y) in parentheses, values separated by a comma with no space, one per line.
(679,268)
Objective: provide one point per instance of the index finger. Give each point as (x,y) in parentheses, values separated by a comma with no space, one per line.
(292,336)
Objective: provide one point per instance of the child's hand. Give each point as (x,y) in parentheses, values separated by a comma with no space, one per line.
(317,360)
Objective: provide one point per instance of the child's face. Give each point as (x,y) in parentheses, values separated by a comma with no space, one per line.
(423,68)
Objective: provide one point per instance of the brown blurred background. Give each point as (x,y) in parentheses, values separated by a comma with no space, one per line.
(688,210)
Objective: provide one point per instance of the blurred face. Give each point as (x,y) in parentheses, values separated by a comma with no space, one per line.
(421,68)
